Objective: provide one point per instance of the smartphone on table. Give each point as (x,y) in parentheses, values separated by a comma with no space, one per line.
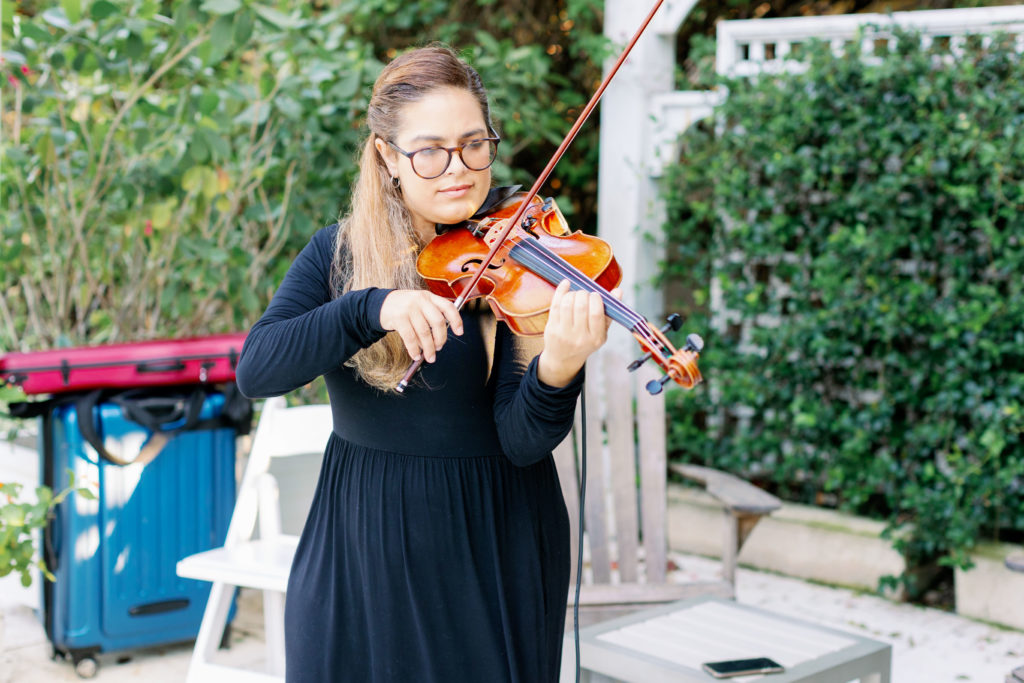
(743,667)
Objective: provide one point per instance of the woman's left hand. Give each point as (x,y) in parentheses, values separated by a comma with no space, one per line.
(576,327)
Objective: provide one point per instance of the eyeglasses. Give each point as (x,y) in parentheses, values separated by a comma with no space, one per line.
(431,162)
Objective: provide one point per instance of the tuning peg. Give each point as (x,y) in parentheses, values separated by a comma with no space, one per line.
(655,386)
(674,322)
(639,361)
(694,342)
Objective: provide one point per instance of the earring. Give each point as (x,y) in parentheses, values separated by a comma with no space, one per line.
(395,182)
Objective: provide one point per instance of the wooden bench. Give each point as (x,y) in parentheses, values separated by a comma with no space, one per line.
(742,503)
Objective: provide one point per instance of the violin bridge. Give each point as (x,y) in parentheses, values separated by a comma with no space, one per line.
(488,231)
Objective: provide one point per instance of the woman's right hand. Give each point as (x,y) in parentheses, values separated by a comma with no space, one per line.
(421,320)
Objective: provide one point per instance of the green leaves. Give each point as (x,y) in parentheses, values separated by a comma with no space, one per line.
(12,515)
(221,6)
(20,520)
(145,207)
(863,225)
(101,9)
(37,33)
(57,18)
(276,18)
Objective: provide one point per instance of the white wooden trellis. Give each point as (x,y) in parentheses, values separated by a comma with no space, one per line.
(642,115)
(753,46)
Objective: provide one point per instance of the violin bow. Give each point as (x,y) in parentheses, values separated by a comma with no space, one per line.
(541,179)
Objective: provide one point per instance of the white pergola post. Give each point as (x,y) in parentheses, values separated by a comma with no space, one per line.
(628,204)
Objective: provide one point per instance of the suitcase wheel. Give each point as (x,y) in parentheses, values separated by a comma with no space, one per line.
(86,667)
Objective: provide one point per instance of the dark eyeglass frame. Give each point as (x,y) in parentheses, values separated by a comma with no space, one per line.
(450,150)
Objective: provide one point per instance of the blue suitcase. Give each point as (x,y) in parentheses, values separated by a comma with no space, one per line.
(114,558)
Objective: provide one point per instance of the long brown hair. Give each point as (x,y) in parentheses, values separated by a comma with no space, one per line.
(376,244)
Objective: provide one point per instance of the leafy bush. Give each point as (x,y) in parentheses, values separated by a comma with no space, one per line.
(165,160)
(853,236)
(21,520)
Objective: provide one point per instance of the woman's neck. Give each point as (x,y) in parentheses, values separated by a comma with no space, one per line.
(424,230)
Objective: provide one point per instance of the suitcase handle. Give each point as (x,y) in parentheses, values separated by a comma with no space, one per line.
(152,412)
(159,607)
(51,546)
(160,366)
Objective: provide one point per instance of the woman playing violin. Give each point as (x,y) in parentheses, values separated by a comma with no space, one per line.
(437,544)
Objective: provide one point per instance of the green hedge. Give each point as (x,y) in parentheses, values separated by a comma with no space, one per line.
(863,223)
(164,161)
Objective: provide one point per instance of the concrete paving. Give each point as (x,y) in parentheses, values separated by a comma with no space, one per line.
(929,645)
(25,653)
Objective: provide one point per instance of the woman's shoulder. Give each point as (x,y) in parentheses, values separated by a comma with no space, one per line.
(322,253)
(325,235)
(323,243)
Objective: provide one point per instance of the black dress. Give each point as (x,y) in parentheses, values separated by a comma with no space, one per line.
(437,544)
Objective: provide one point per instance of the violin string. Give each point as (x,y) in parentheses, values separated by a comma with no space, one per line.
(556,268)
(554,275)
(543,262)
(644,330)
(553,268)
(560,267)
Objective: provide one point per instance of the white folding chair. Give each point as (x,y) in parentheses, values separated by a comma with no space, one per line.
(260,563)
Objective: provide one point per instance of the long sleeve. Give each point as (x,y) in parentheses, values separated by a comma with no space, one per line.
(532,418)
(304,333)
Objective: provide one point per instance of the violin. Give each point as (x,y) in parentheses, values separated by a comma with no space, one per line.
(538,253)
(518,253)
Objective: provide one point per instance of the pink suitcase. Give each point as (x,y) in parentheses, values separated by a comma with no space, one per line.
(139,364)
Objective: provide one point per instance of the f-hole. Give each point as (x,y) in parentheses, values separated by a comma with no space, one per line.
(477,261)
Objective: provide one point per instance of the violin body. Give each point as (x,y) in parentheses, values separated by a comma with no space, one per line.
(516,292)
(526,261)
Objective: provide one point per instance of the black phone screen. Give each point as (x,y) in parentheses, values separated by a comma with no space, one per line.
(736,666)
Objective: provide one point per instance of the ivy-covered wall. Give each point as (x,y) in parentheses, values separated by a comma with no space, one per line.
(853,239)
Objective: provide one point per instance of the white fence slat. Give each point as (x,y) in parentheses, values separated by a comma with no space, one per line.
(568,478)
(622,452)
(594,511)
(650,412)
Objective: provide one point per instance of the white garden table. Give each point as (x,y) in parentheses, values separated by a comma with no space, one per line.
(670,642)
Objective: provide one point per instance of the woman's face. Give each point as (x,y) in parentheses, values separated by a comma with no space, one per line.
(446,117)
